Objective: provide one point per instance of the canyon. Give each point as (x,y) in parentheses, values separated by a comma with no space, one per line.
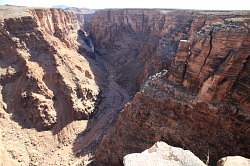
(88,87)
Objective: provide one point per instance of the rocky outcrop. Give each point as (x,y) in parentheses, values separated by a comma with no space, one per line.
(163,154)
(48,89)
(213,63)
(41,63)
(201,104)
(82,14)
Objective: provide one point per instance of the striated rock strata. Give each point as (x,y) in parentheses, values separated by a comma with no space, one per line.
(138,43)
(200,104)
(42,73)
(65,77)
(45,85)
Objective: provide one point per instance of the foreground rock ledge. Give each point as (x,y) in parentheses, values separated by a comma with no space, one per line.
(162,154)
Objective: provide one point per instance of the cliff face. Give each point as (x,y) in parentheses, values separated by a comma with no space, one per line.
(45,84)
(58,23)
(44,68)
(200,104)
(54,64)
(139,41)
(215,62)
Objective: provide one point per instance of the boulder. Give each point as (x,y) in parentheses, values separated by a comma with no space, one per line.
(233,161)
(162,154)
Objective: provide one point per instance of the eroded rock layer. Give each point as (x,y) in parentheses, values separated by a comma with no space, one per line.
(44,78)
(65,77)
(137,43)
(45,85)
(200,104)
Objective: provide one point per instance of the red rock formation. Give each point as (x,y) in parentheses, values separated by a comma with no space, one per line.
(45,84)
(215,62)
(57,23)
(139,41)
(202,104)
(51,76)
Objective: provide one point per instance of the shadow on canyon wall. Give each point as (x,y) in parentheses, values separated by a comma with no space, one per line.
(111,100)
(41,52)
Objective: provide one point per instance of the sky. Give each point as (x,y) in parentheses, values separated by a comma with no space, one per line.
(177,4)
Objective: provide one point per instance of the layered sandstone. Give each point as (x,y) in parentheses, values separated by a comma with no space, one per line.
(65,77)
(137,43)
(215,62)
(200,104)
(46,85)
(44,68)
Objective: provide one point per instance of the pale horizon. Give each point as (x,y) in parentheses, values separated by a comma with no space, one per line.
(168,4)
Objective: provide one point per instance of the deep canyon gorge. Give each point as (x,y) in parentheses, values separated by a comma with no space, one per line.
(88,87)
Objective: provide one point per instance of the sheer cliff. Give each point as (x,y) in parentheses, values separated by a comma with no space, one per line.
(45,85)
(138,43)
(84,85)
(200,103)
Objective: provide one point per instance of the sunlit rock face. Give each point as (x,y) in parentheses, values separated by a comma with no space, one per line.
(46,85)
(45,69)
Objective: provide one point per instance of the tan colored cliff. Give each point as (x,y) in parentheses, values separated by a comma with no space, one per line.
(201,104)
(58,23)
(44,72)
(46,87)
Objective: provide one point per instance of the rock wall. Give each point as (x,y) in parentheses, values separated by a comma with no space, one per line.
(58,23)
(48,89)
(214,62)
(198,100)
(139,41)
(200,104)
(45,80)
